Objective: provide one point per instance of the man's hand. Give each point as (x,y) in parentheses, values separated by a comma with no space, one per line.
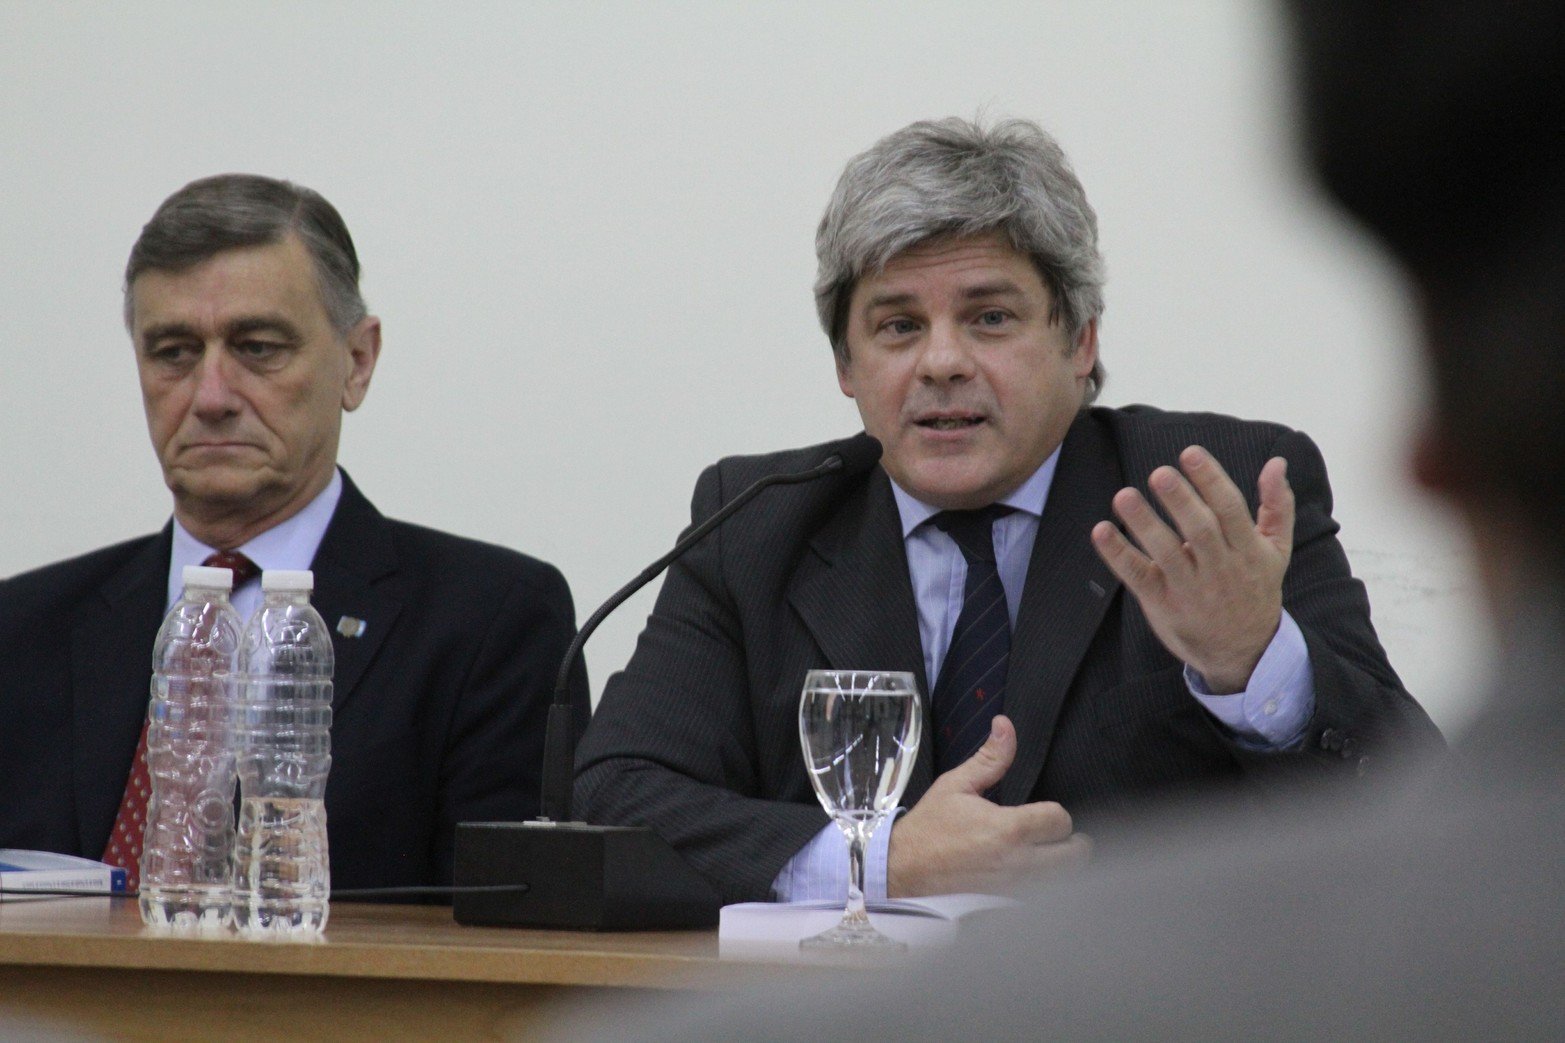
(1212,592)
(954,840)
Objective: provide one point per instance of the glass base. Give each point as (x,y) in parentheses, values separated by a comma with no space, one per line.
(853,933)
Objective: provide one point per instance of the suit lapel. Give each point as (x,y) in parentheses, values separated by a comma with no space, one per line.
(853,593)
(356,552)
(1068,588)
(111,673)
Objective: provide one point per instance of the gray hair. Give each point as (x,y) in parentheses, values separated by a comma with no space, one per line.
(232,211)
(954,178)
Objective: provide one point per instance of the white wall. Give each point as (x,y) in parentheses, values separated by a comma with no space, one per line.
(588,228)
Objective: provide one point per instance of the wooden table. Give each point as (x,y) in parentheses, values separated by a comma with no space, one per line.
(382,972)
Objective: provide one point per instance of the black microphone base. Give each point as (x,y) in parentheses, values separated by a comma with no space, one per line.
(578,877)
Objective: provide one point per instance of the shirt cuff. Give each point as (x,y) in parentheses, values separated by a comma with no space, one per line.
(819,871)
(1275,708)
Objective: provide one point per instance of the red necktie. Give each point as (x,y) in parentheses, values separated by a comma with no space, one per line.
(125,839)
(243,568)
(124,849)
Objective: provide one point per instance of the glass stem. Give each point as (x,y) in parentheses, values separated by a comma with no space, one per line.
(858,839)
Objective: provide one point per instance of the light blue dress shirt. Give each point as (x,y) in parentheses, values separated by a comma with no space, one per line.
(288,545)
(1271,713)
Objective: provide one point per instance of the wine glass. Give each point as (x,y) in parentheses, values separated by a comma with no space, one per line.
(859,730)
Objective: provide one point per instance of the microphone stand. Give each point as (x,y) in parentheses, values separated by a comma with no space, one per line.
(580,876)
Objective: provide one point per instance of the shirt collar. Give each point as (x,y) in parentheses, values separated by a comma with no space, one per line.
(290,544)
(1028,497)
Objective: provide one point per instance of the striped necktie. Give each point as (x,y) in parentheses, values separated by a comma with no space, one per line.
(971,686)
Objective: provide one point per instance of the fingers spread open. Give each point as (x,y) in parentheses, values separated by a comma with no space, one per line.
(1198,528)
(1221,496)
(1161,544)
(1128,564)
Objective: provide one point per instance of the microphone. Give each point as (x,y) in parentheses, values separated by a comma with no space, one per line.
(850,458)
(603,877)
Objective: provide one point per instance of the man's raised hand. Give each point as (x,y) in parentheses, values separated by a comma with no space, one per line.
(1212,590)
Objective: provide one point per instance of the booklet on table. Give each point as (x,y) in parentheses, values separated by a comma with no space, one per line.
(47,871)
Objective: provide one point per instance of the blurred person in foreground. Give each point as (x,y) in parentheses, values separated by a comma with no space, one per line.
(1440,125)
(251,341)
(1071,674)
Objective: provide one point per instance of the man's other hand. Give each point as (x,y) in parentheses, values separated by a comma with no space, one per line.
(955,840)
(1212,591)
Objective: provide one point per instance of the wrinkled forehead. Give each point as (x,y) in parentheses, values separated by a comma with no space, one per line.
(279,274)
(274,280)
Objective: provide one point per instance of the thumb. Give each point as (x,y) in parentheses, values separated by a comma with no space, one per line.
(1274,519)
(988,766)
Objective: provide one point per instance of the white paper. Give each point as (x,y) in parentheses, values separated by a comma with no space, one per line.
(773,930)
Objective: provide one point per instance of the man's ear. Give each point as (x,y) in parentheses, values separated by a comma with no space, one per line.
(363,352)
(1084,353)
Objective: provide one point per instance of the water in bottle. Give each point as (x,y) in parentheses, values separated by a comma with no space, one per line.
(187,850)
(282,879)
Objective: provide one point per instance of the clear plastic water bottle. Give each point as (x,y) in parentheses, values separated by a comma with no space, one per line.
(282,876)
(187,849)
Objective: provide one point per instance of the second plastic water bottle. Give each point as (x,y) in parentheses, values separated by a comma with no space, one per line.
(282,877)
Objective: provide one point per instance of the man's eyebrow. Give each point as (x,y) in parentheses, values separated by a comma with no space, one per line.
(982,291)
(152,334)
(1004,288)
(262,324)
(237,328)
(888,300)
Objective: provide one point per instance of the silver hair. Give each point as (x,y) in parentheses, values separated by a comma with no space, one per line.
(954,178)
(232,211)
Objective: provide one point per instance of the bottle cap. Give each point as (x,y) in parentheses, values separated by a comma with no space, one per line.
(287,579)
(208,578)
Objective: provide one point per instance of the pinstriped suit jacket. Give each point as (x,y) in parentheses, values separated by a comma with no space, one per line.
(698,736)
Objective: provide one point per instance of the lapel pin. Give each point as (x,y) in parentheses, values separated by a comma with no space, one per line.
(347,626)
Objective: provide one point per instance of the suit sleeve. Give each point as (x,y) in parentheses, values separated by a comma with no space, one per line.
(673,743)
(1362,713)
(491,765)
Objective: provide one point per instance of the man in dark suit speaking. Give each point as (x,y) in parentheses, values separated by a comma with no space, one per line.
(1070,672)
(251,340)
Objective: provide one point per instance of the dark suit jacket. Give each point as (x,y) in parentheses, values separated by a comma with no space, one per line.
(437,709)
(698,737)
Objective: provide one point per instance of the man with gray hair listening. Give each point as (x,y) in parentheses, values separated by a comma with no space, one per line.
(1074,671)
(251,340)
